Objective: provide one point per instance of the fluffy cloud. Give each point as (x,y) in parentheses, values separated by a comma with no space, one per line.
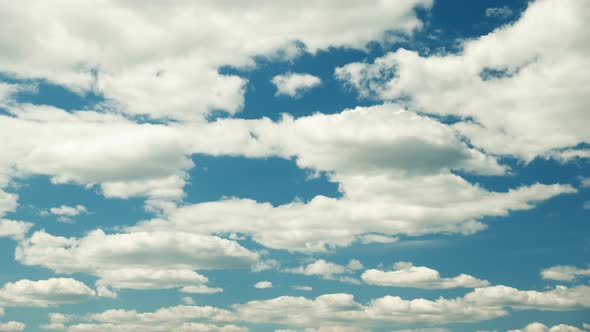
(500,81)
(327,270)
(68,211)
(135,260)
(377,155)
(480,304)
(123,157)
(8,201)
(12,326)
(538,327)
(263,284)
(293,84)
(382,204)
(14,229)
(564,273)
(178,319)
(330,310)
(42,293)
(181,45)
(407,275)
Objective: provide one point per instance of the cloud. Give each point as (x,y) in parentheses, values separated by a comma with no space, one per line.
(499,82)
(140,260)
(42,293)
(564,273)
(499,12)
(263,284)
(182,318)
(8,201)
(480,304)
(180,56)
(65,212)
(302,288)
(538,327)
(327,270)
(201,289)
(14,229)
(340,309)
(407,275)
(385,204)
(12,326)
(294,84)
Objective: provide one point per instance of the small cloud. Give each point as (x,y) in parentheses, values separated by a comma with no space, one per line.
(377,238)
(294,85)
(586,205)
(187,300)
(499,12)
(263,284)
(65,212)
(302,288)
(201,289)
(103,291)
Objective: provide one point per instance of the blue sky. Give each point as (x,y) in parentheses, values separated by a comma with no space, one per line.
(281,166)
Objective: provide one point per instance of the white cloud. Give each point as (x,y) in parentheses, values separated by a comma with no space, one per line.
(535,74)
(294,84)
(187,300)
(141,278)
(480,304)
(263,284)
(327,270)
(378,238)
(8,201)
(538,327)
(419,277)
(499,12)
(178,319)
(384,204)
(180,55)
(564,273)
(14,229)
(42,293)
(135,260)
(201,289)
(56,322)
(68,211)
(302,288)
(12,326)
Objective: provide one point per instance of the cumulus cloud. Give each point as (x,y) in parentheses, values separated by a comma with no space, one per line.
(499,12)
(327,270)
(42,293)
(294,84)
(8,201)
(179,319)
(564,273)
(386,204)
(538,327)
(263,284)
(139,260)
(14,229)
(12,326)
(498,82)
(180,55)
(407,275)
(480,304)
(66,212)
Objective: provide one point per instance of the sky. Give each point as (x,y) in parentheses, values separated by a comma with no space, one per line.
(281,166)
